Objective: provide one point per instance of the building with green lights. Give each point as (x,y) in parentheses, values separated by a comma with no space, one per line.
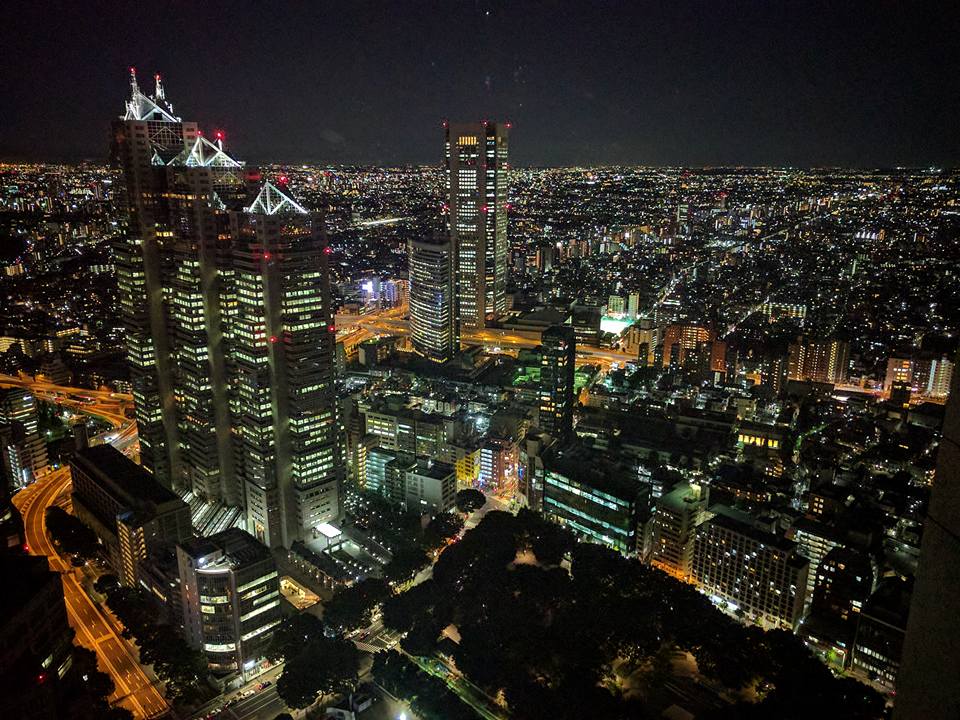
(600,499)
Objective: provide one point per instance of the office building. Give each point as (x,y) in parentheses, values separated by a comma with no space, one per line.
(429,487)
(599,499)
(677,514)
(127,508)
(375,469)
(230,594)
(819,360)
(557,366)
(844,582)
(477,185)
(881,630)
(25,452)
(752,571)
(224,286)
(434,330)
(814,540)
(289,451)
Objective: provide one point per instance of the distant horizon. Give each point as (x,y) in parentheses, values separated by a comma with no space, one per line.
(525,166)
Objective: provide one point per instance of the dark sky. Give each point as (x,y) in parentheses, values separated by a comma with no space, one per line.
(661,83)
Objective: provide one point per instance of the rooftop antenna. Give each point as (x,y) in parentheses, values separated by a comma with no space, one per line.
(158,92)
(133,82)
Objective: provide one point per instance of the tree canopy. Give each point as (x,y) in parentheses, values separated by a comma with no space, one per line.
(546,637)
(314,663)
(352,607)
(69,534)
(469,500)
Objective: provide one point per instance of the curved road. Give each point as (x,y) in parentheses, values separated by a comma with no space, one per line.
(95,630)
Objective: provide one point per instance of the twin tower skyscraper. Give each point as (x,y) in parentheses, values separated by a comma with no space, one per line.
(459,277)
(225,297)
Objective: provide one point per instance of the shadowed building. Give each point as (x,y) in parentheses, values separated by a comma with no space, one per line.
(928,685)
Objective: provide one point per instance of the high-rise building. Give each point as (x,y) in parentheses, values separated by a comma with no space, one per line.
(289,450)
(25,452)
(145,138)
(224,284)
(36,641)
(818,360)
(434,329)
(477,184)
(557,365)
(230,595)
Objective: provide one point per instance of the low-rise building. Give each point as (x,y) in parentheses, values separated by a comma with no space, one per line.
(601,500)
(128,509)
(230,594)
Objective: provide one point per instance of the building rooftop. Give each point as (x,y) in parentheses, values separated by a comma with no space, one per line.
(594,468)
(233,548)
(128,478)
(32,574)
(756,534)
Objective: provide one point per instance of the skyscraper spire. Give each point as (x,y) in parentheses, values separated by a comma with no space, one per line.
(158,91)
(134,88)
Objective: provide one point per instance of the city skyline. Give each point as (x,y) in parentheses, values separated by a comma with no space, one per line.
(471,439)
(688,85)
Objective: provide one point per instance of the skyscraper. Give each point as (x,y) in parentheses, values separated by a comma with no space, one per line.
(557,365)
(225,293)
(145,138)
(289,453)
(434,328)
(476,156)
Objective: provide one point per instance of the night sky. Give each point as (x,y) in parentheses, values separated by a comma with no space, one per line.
(659,83)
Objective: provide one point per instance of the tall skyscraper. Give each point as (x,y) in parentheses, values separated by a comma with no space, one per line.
(557,365)
(145,138)
(434,329)
(477,185)
(289,451)
(225,294)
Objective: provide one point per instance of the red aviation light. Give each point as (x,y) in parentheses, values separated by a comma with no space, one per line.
(41,678)
(218,134)
(483,209)
(332,328)
(283,180)
(508,125)
(133,70)
(509,207)
(327,250)
(273,338)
